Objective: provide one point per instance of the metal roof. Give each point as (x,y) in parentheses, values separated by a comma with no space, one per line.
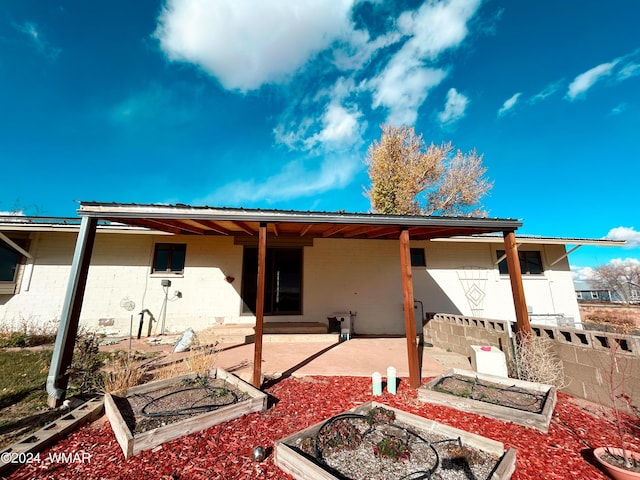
(171,219)
(202,220)
(523,239)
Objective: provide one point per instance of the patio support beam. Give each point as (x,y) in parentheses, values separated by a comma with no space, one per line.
(58,379)
(409,312)
(517,289)
(257,348)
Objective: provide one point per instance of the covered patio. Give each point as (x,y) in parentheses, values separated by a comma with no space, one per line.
(273,228)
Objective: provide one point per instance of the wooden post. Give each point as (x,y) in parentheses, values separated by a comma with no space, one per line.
(58,378)
(515,275)
(257,351)
(409,313)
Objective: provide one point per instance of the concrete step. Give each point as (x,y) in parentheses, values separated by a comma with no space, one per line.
(232,329)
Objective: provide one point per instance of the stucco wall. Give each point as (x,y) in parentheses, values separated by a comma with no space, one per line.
(361,276)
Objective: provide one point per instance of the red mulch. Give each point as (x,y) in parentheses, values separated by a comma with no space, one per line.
(224,451)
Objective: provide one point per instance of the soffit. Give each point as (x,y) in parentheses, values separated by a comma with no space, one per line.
(188,220)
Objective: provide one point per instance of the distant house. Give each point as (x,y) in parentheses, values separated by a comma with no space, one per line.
(197,267)
(586,292)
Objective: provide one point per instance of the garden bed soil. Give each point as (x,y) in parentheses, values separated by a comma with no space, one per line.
(525,403)
(354,446)
(148,415)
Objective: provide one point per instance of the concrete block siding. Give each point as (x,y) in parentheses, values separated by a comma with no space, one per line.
(339,275)
(592,360)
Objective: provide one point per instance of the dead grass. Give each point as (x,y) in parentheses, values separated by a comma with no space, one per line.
(122,372)
(611,318)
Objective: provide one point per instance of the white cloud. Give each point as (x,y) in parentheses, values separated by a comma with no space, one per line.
(628,71)
(618,109)
(44,47)
(454,108)
(249,43)
(546,92)
(588,79)
(358,49)
(509,104)
(582,274)
(339,128)
(296,179)
(436,27)
(403,86)
(629,234)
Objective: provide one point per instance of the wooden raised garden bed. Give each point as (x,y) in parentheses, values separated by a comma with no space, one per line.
(377,441)
(148,415)
(524,403)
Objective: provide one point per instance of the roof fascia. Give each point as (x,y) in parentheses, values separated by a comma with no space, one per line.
(524,240)
(202,213)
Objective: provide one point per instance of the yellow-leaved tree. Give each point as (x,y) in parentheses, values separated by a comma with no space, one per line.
(409,178)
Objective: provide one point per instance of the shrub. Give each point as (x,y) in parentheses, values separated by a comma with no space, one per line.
(85,372)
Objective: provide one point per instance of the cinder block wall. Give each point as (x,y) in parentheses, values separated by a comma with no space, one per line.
(592,360)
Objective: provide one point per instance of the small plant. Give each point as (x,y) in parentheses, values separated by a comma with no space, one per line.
(392,448)
(307,445)
(379,415)
(339,433)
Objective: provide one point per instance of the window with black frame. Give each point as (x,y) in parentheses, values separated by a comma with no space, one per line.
(11,263)
(530,262)
(169,258)
(283,281)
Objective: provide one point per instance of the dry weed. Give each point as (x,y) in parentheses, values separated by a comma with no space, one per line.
(537,361)
(122,372)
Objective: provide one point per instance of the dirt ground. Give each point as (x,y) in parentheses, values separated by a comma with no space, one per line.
(611,317)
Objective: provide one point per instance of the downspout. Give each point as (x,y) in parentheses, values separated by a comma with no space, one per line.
(65,339)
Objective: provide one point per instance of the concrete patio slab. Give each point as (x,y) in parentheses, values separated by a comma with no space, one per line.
(358,357)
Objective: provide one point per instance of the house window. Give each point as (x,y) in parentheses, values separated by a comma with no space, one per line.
(418,258)
(283,281)
(169,258)
(11,263)
(594,295)
(579,295)
(530,262)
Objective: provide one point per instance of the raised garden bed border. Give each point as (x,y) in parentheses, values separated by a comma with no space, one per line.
(539,421)
(290,461)
(133,444)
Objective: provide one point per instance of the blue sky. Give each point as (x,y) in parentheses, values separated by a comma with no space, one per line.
(272,104)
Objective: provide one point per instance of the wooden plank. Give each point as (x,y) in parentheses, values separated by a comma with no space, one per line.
(506,467)
(291,462)
(118,425)
(156,384)
(409,313)
(517,289)
(257,352)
